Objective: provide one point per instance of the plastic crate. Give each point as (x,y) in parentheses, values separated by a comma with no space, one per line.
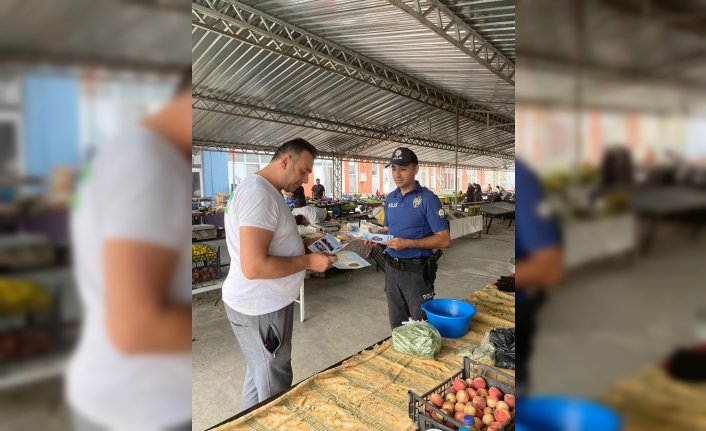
(471,369)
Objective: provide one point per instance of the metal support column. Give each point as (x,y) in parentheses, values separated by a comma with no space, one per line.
(456,167)
(337,178)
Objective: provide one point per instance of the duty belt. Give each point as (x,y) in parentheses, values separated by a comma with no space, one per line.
(411,265)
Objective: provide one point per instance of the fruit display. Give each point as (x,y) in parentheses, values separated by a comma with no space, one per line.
(22,296)
(476,402)
(205,263)
(473,210)
(24,344)
(201,253)
(206,273)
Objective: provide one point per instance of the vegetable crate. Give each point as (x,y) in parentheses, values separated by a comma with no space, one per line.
(471,369)
(206,265)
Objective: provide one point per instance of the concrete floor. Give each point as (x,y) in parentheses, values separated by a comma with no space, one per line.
(344,315)
(610,321)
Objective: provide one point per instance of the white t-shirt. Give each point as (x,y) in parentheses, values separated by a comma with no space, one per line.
(312,214)
(137,188)
(257,203)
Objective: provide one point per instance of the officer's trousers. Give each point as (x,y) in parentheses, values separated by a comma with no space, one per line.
(406,292)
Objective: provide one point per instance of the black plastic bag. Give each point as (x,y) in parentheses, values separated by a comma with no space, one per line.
(504,342)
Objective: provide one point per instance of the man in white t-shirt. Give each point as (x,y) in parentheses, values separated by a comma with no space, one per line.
(131,239)
(267,268)
(311,214)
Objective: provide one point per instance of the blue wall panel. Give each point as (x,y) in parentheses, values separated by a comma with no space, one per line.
(51,123)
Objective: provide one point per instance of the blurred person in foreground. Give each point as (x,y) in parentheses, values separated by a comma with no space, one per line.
(132,367)
(539,267)
(268,264)
(414,216)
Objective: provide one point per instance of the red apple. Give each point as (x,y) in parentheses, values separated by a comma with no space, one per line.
(510,400)
(437,416)
(451,398)
(488,411)
(459,385)
(458,407)
(478,383)
(462,397)
(478,423)
(488,419)
(459,416)
(496,392)
(448,407)
(451,390)
(471,392)
(502,405)
(482,392)
(502,416)
(469,410)
(479,402)
(492,401)
(436,400)
(469,382)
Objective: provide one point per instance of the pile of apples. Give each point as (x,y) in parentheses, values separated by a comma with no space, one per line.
(490,408)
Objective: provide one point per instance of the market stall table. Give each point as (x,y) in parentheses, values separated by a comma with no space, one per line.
(368,391)
(497,209)
(668,203)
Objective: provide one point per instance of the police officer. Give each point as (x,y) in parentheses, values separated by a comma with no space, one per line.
(540,265)
(413,214)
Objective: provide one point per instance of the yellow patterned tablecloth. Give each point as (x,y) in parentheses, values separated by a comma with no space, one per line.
(652,400)
(369,390)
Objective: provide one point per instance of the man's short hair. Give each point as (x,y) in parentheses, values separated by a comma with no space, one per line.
(295,148)
(184,80)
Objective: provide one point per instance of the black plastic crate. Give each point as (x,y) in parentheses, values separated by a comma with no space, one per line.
(471,369)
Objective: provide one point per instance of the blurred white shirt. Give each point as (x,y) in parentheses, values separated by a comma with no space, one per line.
(312,214)
(137,188)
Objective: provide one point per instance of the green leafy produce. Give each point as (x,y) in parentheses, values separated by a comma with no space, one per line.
(417,339)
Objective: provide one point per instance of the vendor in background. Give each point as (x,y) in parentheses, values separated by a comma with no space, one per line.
(489,189)
(317,190)
(413,214)
(311,214)
(478,193)
(540,265)
(268,263)
(470,192)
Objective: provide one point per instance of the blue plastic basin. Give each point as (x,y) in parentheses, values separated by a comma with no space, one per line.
(449,316)
(557,413)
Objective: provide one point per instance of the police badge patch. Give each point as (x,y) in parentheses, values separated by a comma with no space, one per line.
(441,213)
(417,201)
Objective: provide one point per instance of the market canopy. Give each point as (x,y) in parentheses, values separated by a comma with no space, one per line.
(357,79)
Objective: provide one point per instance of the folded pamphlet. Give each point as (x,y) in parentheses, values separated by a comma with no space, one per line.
(377,237)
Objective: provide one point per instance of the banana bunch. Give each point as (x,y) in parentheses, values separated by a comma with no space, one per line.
(201,253)
(21,296)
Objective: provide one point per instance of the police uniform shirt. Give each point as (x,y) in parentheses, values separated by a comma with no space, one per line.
(418,214)
(535,228)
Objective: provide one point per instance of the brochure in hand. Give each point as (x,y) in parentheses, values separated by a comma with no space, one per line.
(377,237)
(327,244)
(350,260)
(346,259)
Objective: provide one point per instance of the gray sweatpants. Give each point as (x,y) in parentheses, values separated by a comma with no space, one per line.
(406,292)
(268,372)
